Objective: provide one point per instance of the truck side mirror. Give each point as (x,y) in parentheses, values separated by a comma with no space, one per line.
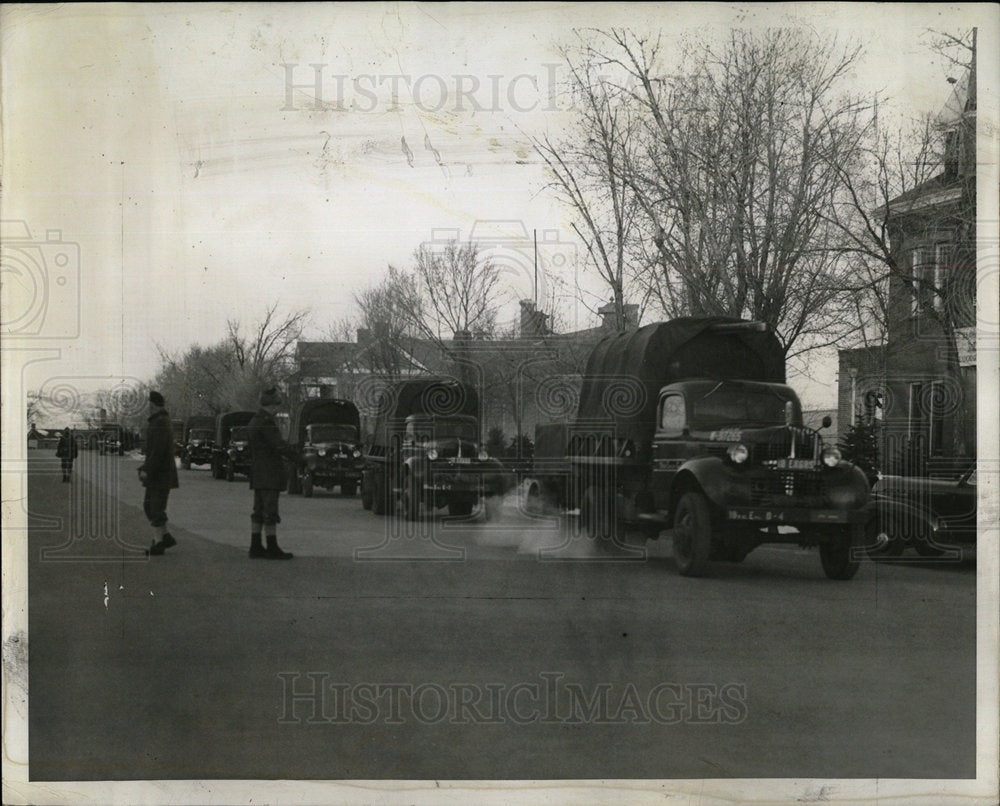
(827,422)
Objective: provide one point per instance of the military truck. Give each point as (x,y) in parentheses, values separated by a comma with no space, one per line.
(689,425)
(111,440)
(231,452)
(326,432)
(426,451)
(199,441)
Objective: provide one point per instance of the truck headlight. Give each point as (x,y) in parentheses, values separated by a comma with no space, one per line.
(321,451)
(738,453)
(356,454)
(432,454)
(831,456)
(483,456)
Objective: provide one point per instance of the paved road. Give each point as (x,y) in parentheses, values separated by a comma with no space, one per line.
(205,664)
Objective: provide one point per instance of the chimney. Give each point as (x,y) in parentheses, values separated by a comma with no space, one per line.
(629,310)
(532,320)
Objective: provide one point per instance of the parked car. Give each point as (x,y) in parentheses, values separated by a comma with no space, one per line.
(930,515)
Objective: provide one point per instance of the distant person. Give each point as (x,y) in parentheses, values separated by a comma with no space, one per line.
(158,473)
(267,477)
(67,450)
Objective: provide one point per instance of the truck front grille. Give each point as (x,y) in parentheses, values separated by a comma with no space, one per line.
(784,483)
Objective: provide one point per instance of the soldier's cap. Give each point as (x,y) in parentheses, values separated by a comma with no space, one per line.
(270,397)
(156,399)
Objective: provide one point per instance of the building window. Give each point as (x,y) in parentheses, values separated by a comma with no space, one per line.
(941,259)
(916,276)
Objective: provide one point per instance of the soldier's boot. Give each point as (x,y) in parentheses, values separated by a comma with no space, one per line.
(257,550)
(160,548)
(274,552)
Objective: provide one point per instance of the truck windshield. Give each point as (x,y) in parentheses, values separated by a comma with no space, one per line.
(728,406)
(239,435)
(331,432)
(200,433)
(423,429)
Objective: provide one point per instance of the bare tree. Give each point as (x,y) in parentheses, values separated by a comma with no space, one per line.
(589,173)
(261,354)
(734,173)
(389,309)
(458,290)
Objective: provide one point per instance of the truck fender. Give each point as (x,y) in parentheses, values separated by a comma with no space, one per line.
(900,519)
(705,474)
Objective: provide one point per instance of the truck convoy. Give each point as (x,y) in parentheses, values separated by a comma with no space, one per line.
(199,441)
(326,433)
(689,425)
(231,452)
(426,451)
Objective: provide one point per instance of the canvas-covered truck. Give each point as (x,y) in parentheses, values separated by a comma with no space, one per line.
(199,441)
(426,451)
(231,453)
(688,425)
(326,432)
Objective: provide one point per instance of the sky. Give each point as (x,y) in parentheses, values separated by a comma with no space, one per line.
(189,164)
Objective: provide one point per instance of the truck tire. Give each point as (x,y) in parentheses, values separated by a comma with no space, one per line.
(307,486)
(838,558)
(349,488)
(185,463)
(692,534)
(379,504)
(366,493)
(230,471)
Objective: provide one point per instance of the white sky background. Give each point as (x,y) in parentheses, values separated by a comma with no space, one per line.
(155,138)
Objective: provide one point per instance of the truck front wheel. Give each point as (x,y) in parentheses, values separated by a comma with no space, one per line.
(366,492)
(838,557)
(692,534)
(307,485)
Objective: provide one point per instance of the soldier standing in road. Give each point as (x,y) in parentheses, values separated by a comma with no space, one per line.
(158,473)
(267,477)
(66,450)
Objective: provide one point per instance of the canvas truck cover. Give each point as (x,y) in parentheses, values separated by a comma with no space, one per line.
(225,423)
(198,421)
(323,410)
(442,397)
(625,372)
